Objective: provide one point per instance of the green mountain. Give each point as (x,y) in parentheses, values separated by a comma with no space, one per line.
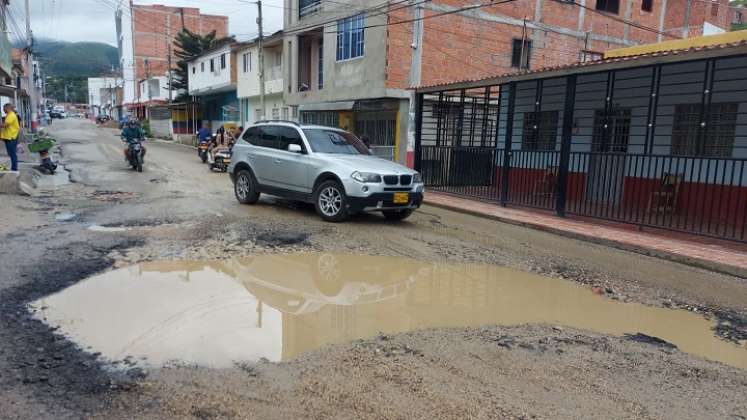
(68,65)
(75,59)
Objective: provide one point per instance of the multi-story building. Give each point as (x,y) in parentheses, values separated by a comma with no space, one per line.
(248,84)
(212,78)
(102,96)
(351,65)
(145,37)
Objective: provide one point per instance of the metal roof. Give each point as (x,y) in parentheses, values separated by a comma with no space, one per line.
(693,53)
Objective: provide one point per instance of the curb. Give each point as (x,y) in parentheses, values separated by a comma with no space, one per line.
(625,246)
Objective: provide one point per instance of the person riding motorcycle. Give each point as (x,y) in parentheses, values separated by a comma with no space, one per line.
(130,134)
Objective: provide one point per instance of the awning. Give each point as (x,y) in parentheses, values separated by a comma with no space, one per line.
(7,90)
(328,106)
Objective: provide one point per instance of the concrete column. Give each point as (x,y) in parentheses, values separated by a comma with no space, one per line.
(662,17)
(628,15)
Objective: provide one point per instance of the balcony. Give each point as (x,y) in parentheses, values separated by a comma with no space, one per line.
(308,7)
(6,62)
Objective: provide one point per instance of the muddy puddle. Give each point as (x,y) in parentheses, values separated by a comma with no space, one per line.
(216,313)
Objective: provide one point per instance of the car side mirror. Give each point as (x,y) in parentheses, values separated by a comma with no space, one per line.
(295,148)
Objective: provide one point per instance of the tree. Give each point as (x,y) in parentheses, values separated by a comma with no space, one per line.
(189,46)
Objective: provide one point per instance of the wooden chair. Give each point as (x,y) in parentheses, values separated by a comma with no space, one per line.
(545,187)
(664,199)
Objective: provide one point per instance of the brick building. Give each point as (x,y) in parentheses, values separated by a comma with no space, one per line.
(348,65)
(145,34)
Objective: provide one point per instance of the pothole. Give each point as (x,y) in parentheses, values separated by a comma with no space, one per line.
(219,313)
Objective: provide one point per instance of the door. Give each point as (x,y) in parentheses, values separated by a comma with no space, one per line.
(290,170)
(608,158)
(265,144)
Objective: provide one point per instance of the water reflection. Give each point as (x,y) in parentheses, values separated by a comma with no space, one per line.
(216,312)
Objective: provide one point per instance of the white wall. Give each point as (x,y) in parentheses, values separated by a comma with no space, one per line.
(202,80)
(155,88)
(127,63)
(96,85)
(247,83)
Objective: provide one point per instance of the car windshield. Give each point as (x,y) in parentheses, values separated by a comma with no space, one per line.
(333,141)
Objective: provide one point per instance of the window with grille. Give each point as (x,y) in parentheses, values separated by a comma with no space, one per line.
(350,37)
(520,53)
(611,132)
(212,65)
(647,5)
(714,8)
(540,130)
(308,7)
(320,65)
(610,6)
(247,62)
(222,61)
(716,140)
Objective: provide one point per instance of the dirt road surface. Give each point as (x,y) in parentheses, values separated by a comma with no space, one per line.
(109,218)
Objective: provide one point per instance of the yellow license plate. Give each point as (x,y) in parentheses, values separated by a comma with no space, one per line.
(401,198)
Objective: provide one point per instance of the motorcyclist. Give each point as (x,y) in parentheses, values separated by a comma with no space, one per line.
(219,142)
(132,133)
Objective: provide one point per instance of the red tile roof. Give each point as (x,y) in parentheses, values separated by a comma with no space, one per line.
(583,65)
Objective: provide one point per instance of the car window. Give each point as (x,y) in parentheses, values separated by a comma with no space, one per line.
(288,136)
(251,135)
(333,141)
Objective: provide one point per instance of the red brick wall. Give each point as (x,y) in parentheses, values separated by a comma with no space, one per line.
(154,28)
(700,12)
(458,47)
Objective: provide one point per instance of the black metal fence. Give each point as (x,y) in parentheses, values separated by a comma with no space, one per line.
(662,146)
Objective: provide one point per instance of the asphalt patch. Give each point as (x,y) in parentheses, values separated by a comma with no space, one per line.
(281,238)
(36,356)
(649,339)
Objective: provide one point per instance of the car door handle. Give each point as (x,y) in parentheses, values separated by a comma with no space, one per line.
(278,160)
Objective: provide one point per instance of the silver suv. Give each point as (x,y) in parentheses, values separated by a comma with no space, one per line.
(326,166)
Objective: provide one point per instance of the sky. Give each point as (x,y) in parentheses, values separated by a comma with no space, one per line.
(93,20)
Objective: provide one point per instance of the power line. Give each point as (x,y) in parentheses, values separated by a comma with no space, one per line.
(450,12)
(365,10)
(618,19)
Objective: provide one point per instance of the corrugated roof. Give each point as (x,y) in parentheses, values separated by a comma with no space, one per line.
(589,64)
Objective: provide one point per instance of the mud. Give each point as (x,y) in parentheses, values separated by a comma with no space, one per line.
(276,307)
(524,371)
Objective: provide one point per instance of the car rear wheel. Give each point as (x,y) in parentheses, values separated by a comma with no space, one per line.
(331,202)
(245,187)
(397,214)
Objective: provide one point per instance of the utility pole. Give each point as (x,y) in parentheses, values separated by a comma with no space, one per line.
(686,27)
(261,60)
(415,78)
(30,62)
(147,79)
(170,71)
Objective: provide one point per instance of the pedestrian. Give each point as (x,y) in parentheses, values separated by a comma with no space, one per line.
(9,134)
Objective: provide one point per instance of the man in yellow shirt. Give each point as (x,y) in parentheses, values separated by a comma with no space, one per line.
(9,134)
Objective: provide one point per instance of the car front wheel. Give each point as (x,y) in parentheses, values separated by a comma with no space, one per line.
(331,201)
(245,187)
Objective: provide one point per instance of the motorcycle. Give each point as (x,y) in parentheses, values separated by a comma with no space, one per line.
(135,154)
(221,159)
(202,151)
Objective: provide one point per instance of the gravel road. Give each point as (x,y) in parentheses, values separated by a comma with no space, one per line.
(177,210)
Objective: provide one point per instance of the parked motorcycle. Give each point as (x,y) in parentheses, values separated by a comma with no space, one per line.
(221,159)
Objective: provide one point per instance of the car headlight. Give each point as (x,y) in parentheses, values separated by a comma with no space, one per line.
(417,178)
(366,177)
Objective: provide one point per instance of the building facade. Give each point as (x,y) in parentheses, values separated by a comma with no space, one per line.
(212,81)
(655,139)
(145,37)
(351,65)
(248,83)
(102,95)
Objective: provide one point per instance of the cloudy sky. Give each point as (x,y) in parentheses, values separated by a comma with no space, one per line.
(93,20)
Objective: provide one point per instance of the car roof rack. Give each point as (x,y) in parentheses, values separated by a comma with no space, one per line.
(277,121)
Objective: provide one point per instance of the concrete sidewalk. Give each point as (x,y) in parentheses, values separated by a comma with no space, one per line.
(712,254)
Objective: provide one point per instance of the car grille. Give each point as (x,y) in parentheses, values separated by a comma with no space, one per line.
(391,179)
(405,179)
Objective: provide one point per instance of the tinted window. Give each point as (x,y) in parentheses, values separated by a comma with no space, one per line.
(251,135)
(268,137)
(288,136)
(333,141)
